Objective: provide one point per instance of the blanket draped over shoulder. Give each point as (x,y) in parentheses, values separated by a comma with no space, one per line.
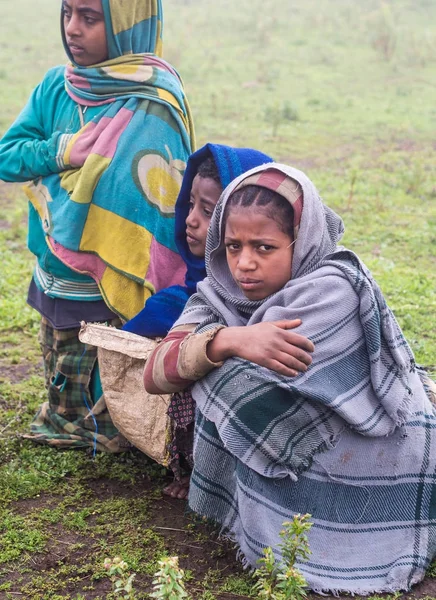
(352,441)
(109,213)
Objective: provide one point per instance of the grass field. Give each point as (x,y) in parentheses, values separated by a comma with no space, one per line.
(344,90)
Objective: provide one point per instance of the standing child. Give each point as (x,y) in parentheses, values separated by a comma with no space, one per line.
(343,440)
(104,141)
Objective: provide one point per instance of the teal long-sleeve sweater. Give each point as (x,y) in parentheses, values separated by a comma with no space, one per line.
(28,150)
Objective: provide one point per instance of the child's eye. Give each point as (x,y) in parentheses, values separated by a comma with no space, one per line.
(266,247)
(191,206)
(89,20)
(207,212)
(67,14)
(232,247)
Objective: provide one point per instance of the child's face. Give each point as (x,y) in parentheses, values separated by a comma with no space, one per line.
(259,253)
(205,194)
(85,31)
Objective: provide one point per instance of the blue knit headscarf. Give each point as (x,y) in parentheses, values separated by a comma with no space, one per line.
(164,308)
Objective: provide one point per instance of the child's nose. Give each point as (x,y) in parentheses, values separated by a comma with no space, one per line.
(73,28)
(191,219)
(246,261)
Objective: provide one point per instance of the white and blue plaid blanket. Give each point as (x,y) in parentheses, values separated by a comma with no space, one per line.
(352,441)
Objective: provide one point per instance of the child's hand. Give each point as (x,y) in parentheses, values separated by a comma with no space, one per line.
(269,345)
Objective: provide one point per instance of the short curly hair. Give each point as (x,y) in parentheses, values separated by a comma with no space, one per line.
(208,170)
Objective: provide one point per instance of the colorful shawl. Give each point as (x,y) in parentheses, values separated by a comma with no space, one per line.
(352,441)
(165,307)
(110,211)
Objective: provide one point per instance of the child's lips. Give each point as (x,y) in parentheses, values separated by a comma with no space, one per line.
(191,239)
(75,50)
(249,284)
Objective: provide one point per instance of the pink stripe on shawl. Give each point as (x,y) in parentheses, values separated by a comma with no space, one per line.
(298,209)
(85,102)
(100,138)
(166,268)
(273,180)
(85,263)
(154,61)
(77,80)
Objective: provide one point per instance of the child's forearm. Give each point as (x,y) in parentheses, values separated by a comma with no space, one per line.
(183,357)
(30,149)
(179,360)
(268,344)
(161,375)
(23,159)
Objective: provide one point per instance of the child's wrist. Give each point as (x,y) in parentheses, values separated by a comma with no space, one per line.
(225,344)
(219,348)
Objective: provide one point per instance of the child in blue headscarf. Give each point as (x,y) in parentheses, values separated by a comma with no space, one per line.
(208,172)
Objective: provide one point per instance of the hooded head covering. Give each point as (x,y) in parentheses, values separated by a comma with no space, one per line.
(162,309)
(317,229)
(231,163)
(132,27)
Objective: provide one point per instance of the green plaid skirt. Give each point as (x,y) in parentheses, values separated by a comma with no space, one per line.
(72,417)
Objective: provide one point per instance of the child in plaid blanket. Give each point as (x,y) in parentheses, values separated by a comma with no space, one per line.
(351,440)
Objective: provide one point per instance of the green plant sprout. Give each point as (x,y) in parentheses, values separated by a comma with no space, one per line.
(168,583)
(283,581)
(122,580)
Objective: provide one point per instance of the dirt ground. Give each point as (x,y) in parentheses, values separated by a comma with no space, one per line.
(167,517)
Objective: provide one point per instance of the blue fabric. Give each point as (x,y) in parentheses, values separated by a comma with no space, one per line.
(164,308)
(161,311)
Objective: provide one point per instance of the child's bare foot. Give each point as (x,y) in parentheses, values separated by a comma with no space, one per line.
(178,489)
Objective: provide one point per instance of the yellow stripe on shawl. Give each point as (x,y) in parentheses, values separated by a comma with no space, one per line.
(123,295)
(34,197)
(159,46)
(123,18)
(98,223)
(134,72)
(81,183)
(168,97)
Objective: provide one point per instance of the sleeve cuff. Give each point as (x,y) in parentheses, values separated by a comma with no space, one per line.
(193,362)
(62,144)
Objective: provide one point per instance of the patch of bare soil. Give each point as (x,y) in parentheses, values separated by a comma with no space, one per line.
(18,372)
